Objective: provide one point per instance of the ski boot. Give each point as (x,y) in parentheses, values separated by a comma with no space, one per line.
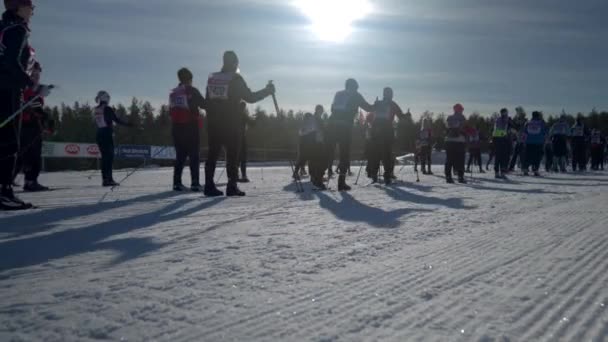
(196,187)
(33,186)
(212,191)
(449,180)
(243,179)
(109,182)
(388,180)
(8,200)
(342,183)
(233,191)
(179,187)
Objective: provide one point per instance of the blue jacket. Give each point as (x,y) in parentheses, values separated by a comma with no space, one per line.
(535,131)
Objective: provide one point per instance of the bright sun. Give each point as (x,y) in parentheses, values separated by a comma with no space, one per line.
(332,19)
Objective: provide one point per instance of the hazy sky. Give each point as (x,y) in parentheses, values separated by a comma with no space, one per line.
(487,54)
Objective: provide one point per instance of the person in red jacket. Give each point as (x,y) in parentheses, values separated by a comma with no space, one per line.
(35,122)
(184,104)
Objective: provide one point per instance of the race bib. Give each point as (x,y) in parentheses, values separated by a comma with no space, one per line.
(218,86)
(424,135)
(534,128)
(100,119)
(178,99)
(341,101)
(383,111)
(596,139)
(578,131)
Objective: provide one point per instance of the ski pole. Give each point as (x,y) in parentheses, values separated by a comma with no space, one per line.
(20,110)
(221,174)
(359,173)
(139,167)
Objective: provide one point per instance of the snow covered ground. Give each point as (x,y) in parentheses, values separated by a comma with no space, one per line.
(522,260)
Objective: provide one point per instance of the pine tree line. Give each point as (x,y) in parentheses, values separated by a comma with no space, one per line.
(270,136)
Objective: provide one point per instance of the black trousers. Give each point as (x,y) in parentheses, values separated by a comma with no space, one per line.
(455,156)
(10,101)
(339,134)
(186,139)
(425,157)
(475,157)
(597,157)
(382,148)
(313,153)
(579,155)
(30,160)
(243,155)
(105,141)
(518,153)
(548,157)
(534,155)
(502,152)
(228,136)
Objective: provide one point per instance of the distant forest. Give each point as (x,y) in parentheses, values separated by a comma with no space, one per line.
(270,136)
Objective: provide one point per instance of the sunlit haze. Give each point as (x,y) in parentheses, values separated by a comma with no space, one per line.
(332,20)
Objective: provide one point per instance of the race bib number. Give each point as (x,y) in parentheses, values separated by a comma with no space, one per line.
(178,99)
(534,128)
(100,119)
(218,86)
(578,131)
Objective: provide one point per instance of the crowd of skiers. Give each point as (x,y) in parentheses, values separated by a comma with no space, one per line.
(23,124)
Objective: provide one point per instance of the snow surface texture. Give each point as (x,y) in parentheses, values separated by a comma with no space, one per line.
(518,260)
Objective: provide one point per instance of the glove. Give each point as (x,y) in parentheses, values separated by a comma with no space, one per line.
(270,88)
(44,90)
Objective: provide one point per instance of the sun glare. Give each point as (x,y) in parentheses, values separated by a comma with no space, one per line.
(332,20)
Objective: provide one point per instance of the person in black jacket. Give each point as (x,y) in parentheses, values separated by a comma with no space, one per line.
(344,108)
(225,92)
(184,104)
(15,58)
(105,117)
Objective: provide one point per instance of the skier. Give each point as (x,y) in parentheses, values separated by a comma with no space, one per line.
(474,148)
(455,141)
(312,148)
(520,141)
(491,153)
(559,143)
(598,143)
(345,106)
(535,131)
(184,103)
(519,150)
(35,122)
(425,146)
(15,57)
(246,122)
(578,143)
(225,92)
(502,143)
(105,117)
(383,135)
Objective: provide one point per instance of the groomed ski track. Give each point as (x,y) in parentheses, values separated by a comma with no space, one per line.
(492,260)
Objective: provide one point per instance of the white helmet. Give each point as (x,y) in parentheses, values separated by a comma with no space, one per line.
(102,96)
